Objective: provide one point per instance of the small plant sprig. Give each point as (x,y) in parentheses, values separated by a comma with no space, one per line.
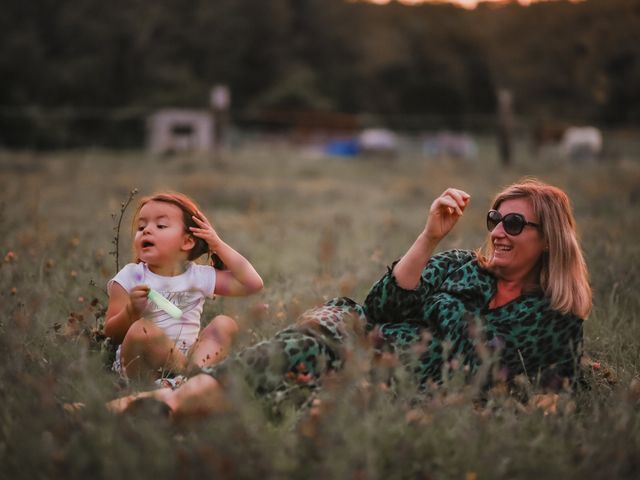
(116,227)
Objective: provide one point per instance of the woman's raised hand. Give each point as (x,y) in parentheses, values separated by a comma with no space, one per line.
(443,215)
(445,212)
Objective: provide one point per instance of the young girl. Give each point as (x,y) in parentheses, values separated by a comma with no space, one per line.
(170,233)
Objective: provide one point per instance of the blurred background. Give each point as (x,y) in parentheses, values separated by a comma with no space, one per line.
(432,76)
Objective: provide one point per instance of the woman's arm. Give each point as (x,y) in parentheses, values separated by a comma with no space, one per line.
(123,310)
(396,296)
(444,213)
(240,278)
(388,302)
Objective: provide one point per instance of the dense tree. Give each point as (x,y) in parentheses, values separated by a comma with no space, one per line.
(576,61)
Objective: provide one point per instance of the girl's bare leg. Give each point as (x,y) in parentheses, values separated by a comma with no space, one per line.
(146,349)
(214,342)
(199,396)
(119,405)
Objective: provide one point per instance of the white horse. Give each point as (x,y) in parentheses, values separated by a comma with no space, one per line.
(582,143)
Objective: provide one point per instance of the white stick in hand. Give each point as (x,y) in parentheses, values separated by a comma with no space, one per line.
(164,304)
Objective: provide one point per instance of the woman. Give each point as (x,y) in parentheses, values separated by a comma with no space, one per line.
(521,300)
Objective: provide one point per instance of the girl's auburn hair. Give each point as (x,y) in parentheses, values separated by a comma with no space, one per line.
(189,209)
(564,277)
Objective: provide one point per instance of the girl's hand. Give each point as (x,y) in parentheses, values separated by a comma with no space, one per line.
(205,231)
(138,300)
(445,212)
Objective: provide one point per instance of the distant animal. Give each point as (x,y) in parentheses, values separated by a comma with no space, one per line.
(378,141)
(582,143)
(546,134)
(448,144)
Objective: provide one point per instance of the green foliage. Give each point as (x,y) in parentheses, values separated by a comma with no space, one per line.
(112,63)
(315,228)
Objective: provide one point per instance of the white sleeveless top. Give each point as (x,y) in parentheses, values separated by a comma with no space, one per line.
(186,291)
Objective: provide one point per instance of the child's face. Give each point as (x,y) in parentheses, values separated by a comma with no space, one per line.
(160,237)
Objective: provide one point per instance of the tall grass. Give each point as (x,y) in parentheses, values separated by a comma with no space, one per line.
(315,228)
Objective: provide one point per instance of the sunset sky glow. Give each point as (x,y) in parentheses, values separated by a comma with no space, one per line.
(462,3)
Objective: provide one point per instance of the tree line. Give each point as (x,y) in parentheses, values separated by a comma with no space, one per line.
(91,59)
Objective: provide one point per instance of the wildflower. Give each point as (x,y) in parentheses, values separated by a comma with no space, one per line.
(316,408)
(417,416)
(304,377)
(547,402)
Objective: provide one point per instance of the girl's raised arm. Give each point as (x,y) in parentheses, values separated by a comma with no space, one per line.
(240,278)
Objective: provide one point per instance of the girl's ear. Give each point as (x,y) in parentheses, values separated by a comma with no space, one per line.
(188,242)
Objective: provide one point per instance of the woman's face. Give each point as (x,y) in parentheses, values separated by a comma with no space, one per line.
(516,256)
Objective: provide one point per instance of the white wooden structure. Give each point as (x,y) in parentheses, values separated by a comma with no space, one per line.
(180,130)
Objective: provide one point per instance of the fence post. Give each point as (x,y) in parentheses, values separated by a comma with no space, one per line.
(505,125)
(220,101)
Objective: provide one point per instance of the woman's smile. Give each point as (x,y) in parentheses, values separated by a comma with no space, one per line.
(516,256)
(502,248)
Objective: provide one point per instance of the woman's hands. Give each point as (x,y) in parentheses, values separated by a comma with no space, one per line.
(445,212)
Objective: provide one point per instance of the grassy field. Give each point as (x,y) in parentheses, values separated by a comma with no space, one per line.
(315,228)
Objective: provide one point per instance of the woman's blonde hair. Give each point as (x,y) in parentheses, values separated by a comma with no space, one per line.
(564,277)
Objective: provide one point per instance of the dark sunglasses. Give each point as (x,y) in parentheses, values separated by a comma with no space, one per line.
(513,223)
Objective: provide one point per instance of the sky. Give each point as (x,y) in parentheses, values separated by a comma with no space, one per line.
(463,3)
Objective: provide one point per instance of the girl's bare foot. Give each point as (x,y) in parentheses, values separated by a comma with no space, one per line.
(119,405)
(73,407)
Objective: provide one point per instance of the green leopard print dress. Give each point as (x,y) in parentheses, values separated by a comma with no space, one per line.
(446,318)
